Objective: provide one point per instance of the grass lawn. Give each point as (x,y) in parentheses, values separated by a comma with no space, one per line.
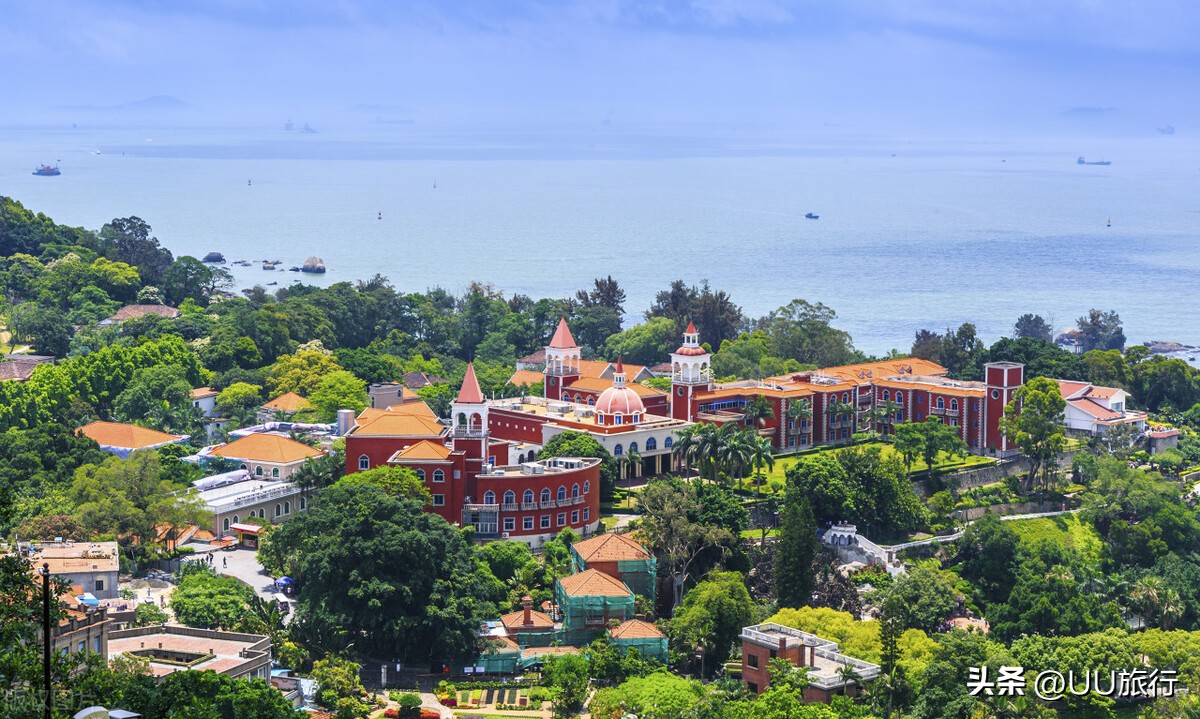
(1066,529)
(609,522)
(945,463)
(757,533)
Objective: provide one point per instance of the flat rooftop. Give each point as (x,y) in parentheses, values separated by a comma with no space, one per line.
(171,648)
(69,557)
(574,413)
(827,660)
(241,494)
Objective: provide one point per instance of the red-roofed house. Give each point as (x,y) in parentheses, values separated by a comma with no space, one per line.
(1092,409)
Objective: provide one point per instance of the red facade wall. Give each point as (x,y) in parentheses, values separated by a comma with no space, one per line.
(514,426)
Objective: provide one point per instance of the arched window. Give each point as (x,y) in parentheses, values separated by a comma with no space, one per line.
(591,401)
(225,524)
(941,403)
(587,486)
(633,448)
(236,519)
(651,444)
(668,442)
(258,470)
(845,397)
(574,490)
(954,405)
(886,395)
(527,498)
(364,462)
(489,497)
(618,451)
(439,475)
(303,504)
(421,474)
(510,497)
(899,397)
(287,507)
(562,493)
(545,495)
(278,510)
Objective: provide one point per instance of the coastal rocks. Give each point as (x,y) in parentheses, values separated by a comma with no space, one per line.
(214,258)
(313,264)
(1165,347)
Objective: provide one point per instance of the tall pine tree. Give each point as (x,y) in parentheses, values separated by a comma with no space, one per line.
(796,551)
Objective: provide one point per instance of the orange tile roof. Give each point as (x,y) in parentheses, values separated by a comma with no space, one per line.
(526,377)
(1102,392)
(635,629)
(594,583)
(202,392)
(516,620)
(271,448)
(126,436)
(593,368)
(1094,409)
(886,368)
(595,384)
(290,402)
(417,408)
(609,547)
(424,449)
(393,424)
(129,312)
(932,387)
(1067,388)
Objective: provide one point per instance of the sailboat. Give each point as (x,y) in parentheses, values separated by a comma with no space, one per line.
(1109,222)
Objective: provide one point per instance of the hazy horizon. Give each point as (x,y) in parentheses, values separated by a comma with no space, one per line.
(1074,68)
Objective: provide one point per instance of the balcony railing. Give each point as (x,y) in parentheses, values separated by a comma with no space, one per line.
(529,505)
(942,411)
(549,504)
(512,507)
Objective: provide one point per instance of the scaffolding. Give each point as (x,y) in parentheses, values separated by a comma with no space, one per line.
(586,616)
(640,575)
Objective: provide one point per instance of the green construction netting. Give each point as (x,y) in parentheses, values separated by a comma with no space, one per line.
(640,576)
(649,647)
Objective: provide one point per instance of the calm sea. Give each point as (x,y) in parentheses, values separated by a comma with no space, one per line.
(913,232)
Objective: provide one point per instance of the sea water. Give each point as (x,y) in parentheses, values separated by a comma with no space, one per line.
(914,232)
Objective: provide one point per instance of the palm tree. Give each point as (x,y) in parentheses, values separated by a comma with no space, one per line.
(685,446)
(849,676)
(798,411)
(708,449)
(836,408)
(757,411)
(761,453)
(629,459)
(1148,592)
(735,450)
(1170,608)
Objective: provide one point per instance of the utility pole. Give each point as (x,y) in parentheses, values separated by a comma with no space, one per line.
(46,638)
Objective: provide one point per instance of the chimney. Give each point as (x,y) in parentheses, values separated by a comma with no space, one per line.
(345,422)
(527,601)
(782,646)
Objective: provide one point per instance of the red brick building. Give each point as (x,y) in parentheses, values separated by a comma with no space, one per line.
(825,664)
(469,474)
(827,406)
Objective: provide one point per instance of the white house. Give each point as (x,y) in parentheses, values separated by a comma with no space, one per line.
(1092,409)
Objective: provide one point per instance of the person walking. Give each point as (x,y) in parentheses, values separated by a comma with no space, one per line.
(225,562)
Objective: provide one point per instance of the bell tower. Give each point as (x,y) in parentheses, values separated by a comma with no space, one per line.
(562,362)
(691,372)
(1003,379)
(469,414)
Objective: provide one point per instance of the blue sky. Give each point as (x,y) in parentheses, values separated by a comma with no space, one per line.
(872,64)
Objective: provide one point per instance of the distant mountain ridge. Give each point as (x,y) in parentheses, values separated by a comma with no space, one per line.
(154,103)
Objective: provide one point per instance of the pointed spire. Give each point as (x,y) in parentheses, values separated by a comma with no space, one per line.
(691,330)
(619,374)
(470,392)
(562,339)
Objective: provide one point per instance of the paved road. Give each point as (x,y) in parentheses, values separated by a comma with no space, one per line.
(243,564)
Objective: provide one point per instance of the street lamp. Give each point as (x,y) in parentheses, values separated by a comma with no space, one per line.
(45,571)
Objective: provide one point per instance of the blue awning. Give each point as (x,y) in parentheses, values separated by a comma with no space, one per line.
(285,581)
